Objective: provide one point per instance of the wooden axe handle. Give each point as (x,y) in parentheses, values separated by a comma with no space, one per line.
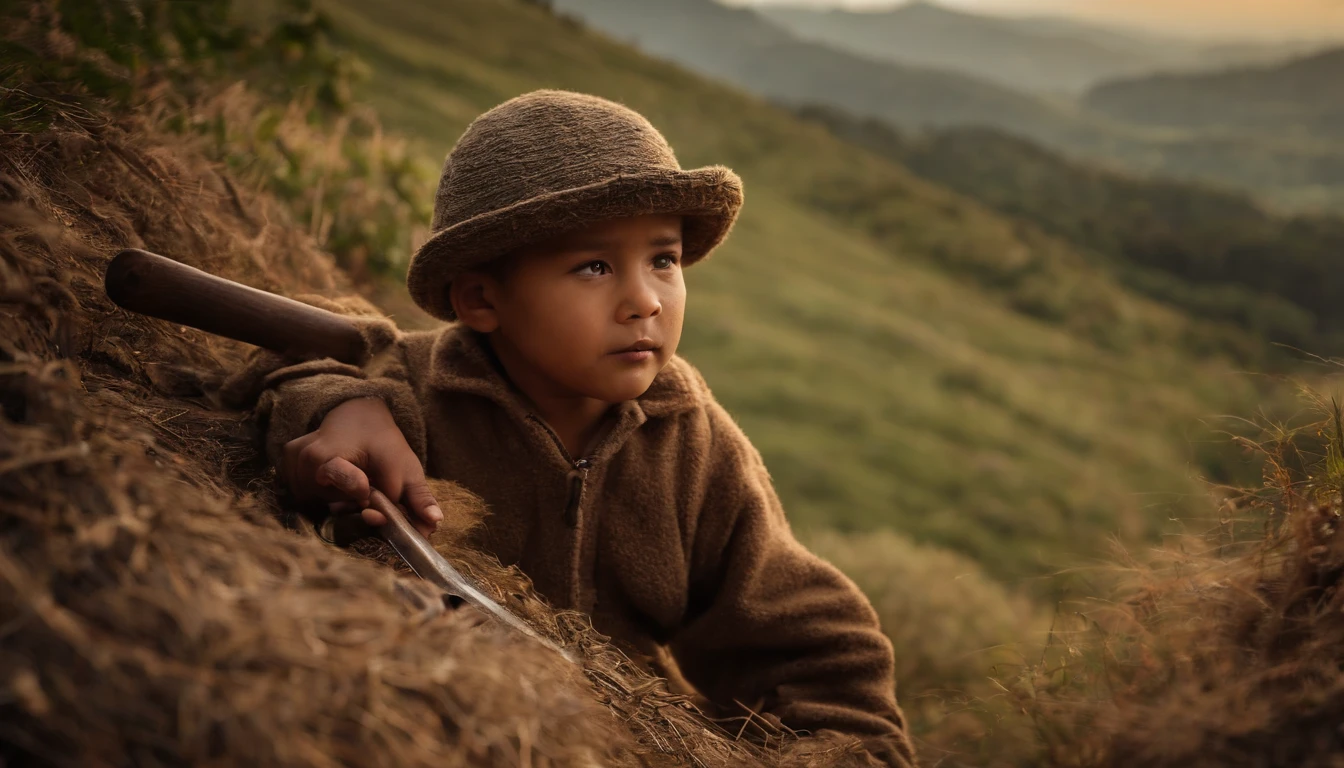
(155,285)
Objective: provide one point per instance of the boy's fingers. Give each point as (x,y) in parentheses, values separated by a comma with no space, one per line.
(346,478)
(377,519)
(342,508)
(290,460)
(421,502)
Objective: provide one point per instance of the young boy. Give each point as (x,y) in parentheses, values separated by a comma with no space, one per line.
(615,481)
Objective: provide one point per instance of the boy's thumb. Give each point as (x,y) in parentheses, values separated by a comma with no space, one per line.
(421,501)
(345,477)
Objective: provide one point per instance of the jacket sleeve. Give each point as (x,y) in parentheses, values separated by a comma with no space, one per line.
(772,626)
(291,398)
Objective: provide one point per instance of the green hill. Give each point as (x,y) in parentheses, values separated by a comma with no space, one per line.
(903,356)
(1304,97)
(1217,255)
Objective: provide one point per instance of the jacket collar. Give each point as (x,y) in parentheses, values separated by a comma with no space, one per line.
(462,361)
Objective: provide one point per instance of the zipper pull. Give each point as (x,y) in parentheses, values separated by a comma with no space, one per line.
(576,478)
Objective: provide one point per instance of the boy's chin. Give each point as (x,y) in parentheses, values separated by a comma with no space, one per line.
(624,387)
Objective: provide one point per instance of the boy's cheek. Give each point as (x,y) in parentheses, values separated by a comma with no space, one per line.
(672,327)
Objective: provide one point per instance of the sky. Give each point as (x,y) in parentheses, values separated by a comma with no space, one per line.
(1221,18)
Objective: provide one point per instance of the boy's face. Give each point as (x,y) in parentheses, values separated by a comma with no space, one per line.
(593,313)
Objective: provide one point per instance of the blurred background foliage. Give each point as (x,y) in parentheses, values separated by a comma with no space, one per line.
(976,359)
(275,102)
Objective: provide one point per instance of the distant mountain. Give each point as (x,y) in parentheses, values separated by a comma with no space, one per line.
(1304,97)
(743,47)
(1003,50)
(1035,53)
(1177,52)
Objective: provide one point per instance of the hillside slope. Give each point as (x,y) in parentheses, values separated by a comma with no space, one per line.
(1304,97)
(918,362)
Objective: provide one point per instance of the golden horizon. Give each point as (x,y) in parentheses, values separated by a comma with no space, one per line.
(1244,18)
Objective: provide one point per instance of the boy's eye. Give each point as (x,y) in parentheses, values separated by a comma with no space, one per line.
(593,268)
(664,261)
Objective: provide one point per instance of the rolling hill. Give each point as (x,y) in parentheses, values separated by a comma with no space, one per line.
(903,356)
(1303,98)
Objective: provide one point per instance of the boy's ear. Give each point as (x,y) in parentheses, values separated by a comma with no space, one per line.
(473,296)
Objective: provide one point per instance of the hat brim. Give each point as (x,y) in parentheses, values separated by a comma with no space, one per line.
(708,197)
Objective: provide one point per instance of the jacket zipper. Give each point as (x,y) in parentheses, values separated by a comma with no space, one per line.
(578,473)
(577,476)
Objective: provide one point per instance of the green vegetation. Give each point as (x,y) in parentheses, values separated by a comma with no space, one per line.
(1214,254)
(1273,130)
(293,130)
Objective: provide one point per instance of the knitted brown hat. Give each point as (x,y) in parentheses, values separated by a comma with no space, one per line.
(548,162)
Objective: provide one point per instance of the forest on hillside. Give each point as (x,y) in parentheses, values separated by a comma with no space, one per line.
(1216,254)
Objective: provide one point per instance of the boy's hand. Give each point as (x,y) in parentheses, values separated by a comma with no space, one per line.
(359,441)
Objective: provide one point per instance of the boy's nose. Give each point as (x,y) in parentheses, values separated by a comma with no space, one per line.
(640,301)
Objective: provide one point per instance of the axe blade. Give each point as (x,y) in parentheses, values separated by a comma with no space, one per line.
(433,567)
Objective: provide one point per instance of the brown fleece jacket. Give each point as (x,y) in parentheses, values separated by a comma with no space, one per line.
(669,534)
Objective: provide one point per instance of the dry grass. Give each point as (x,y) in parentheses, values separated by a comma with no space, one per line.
(157,610)
(1221,649)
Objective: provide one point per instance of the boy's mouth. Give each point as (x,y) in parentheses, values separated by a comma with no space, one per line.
(643,345)
(640,350)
